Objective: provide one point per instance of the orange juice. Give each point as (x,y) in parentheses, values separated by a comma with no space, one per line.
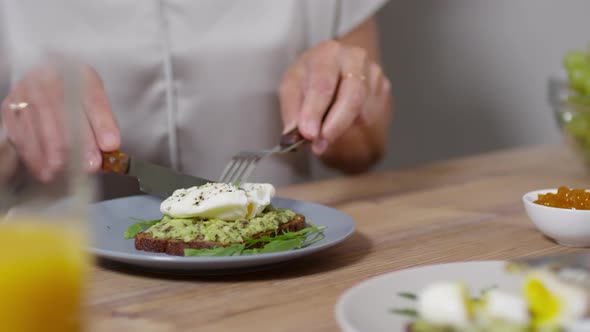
(42,269)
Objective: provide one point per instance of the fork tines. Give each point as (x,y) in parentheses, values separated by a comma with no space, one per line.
(241,166)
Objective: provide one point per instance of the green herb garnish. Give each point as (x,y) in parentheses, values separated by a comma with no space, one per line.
(304,233)
(138,227)
(409,296)
(412,313)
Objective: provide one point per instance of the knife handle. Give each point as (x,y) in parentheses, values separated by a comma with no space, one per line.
(115,162)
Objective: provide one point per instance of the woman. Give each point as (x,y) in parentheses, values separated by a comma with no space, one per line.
(187,84)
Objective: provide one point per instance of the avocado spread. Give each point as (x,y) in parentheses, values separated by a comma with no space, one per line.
(220,230)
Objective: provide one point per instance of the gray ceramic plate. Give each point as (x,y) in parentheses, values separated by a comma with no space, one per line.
(110,219)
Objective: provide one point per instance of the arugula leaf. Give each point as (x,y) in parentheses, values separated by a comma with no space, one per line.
(235,249)
(409,296)
(406,312)
(318,237)
(304,233)
(282,245)
(138,227)
(250,251)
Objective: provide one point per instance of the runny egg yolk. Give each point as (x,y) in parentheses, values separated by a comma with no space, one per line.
(543,305)
(250,209)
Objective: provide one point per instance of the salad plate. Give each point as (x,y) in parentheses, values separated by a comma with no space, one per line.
(110,219)
(369,305)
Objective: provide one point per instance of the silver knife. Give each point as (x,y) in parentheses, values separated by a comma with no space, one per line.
(153,179)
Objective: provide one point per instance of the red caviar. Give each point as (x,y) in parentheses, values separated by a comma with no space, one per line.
(566,198)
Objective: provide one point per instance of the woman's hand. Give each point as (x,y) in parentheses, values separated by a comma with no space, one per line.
(37,131)
(340,100)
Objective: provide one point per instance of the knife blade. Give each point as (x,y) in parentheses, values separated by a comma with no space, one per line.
(153,179)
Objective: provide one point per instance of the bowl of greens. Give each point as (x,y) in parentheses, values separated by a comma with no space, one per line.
(570,99)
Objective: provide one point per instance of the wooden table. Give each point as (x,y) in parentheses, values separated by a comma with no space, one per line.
(457,210)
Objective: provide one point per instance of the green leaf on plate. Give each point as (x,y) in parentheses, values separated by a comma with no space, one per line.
(408,312)
(138,227)
(282,245)
(409,296)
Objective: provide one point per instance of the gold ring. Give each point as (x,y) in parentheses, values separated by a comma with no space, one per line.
(351,75)
(17,107)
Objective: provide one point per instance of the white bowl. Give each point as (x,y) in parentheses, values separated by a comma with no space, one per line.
(568,227)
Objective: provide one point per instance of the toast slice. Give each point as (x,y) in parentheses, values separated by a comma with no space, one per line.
(146,242)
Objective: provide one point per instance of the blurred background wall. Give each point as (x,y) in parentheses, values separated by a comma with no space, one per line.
(470,76)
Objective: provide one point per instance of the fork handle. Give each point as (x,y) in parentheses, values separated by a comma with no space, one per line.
(115,162)
(290,138)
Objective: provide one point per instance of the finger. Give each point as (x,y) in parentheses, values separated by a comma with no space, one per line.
(49,122)
(291,97)
(23,133)
(99,113)
(384,101)
(346,110)
(9,120)
(350,100)
(384,95)
(321,79)
(32,151)
(375,85)
(92,156)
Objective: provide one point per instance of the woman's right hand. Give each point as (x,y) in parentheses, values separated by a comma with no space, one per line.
(38,131)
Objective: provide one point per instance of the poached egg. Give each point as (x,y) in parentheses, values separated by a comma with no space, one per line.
(505,306)
(446,304)
(219,201)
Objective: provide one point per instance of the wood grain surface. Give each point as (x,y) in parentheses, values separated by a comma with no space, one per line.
(458,210)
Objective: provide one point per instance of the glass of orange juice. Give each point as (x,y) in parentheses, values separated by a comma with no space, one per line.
(43,224)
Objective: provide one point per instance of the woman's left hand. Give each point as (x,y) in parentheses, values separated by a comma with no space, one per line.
(330,92)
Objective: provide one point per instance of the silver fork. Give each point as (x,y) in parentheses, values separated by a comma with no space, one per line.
(243,164)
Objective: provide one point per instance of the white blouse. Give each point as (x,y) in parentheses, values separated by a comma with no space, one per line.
(190,82)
